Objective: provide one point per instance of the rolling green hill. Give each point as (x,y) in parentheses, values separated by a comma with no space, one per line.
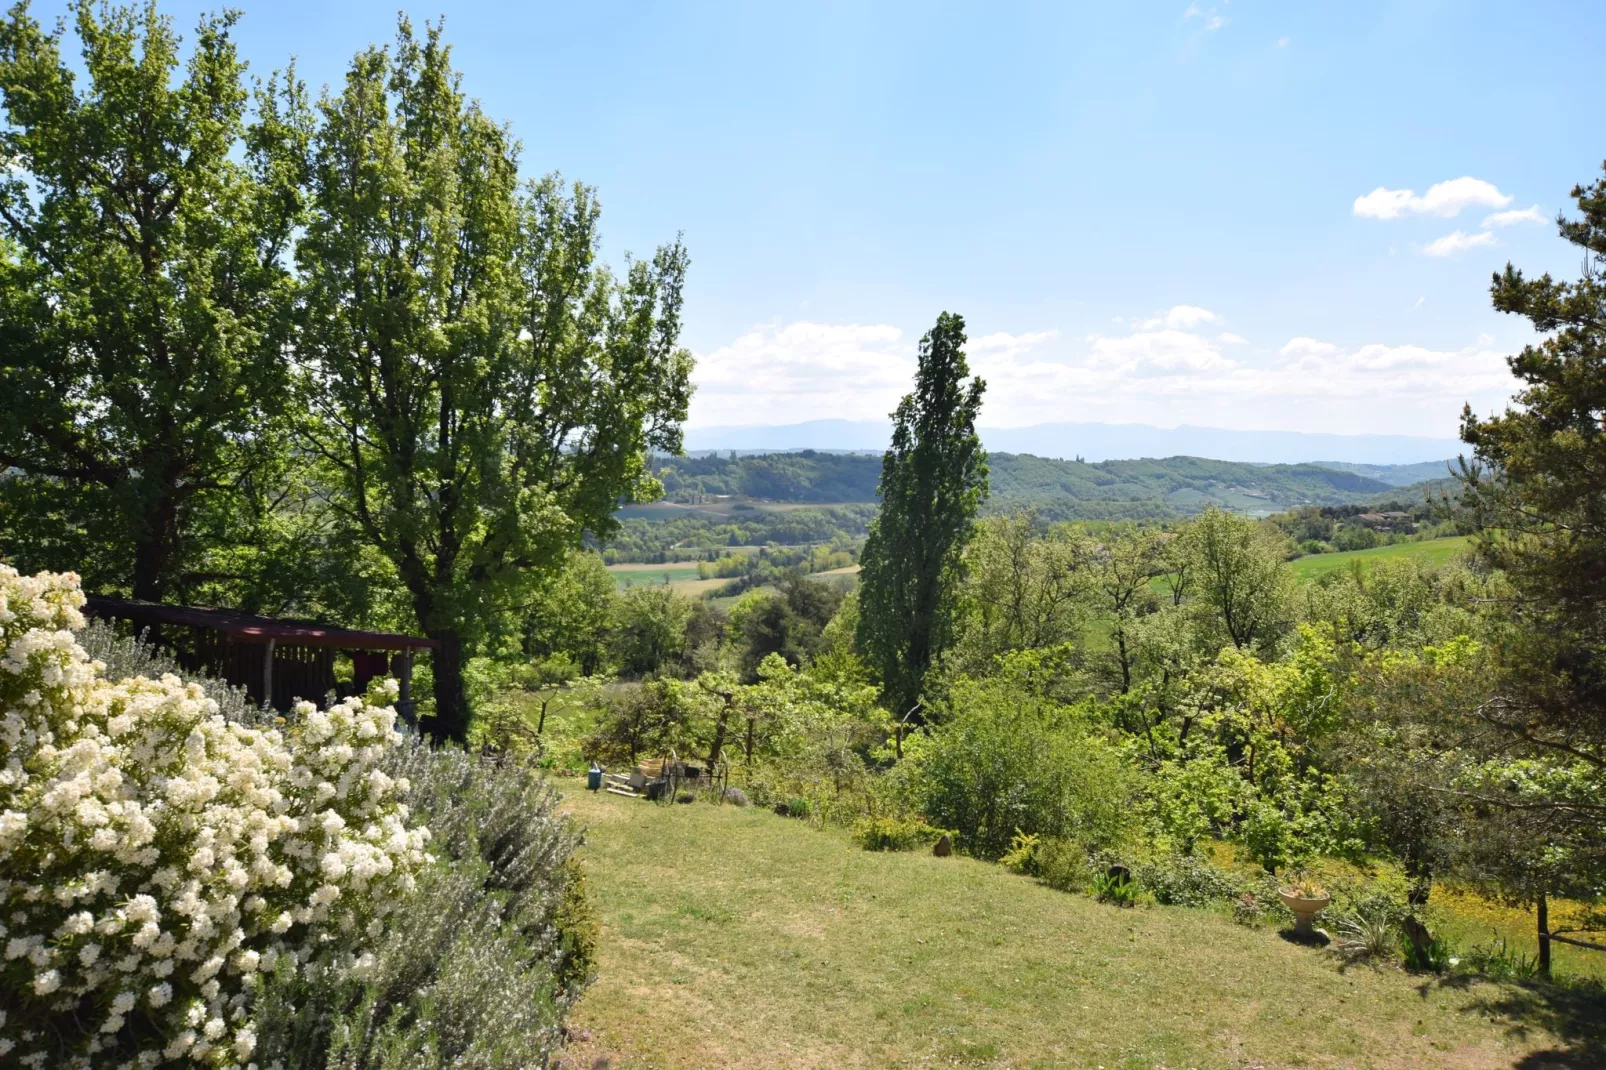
(1059,490)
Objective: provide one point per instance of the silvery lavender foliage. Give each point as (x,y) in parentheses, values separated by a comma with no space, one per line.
(130,656)
(476,969)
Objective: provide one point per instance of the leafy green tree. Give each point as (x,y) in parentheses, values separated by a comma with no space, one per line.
(485,390)
(145,221)
(570,612)
(933,480)
(1240,574)
(1025,587)
(649,629)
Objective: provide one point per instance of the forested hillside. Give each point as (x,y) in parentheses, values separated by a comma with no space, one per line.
(1060,490)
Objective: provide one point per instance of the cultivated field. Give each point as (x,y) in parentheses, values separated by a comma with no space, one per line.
(1432,552)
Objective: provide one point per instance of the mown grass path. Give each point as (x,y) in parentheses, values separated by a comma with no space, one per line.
(736,938)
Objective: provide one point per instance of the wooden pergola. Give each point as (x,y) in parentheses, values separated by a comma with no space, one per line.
(276,661)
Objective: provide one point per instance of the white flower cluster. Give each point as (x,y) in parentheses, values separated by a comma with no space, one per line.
(156,858)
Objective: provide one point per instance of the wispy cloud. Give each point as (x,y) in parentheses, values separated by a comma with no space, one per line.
(1515,216)
(1442,199)
(1213,20)
(1458,242)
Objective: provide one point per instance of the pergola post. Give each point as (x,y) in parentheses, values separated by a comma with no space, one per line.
(404,678)
(267,675)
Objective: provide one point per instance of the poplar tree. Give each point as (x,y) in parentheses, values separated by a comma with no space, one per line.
(482,388)
(145,221)
(933,481)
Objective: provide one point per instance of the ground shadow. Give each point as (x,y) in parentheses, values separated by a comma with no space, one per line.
(1575,1013)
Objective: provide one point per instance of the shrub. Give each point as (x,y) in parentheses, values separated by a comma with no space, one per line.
(893,833)
(1185,880)
(1063,864)
(798,806)
(1010,761)
(1022,854)
(1368,930)
(1115,887)
(168,857)
(483,960)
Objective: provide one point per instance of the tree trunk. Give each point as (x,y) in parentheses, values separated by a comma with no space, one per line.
(1544,936)
(450,722)
(154,549)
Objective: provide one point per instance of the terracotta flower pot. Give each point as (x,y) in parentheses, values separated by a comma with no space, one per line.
(1305,909)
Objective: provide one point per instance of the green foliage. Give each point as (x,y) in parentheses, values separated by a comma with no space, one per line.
(1239,568)
(144,298)
(1369,929)
(649,629)
(1025,588)
(1022,854)
(1431,957)
(1535,488)
(893,833)
(1185,880)
(483,959)
(1115,887)
(1007,761)
(933,480)
(645,720)
(458,341)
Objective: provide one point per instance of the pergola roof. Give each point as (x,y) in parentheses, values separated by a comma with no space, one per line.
(250,628)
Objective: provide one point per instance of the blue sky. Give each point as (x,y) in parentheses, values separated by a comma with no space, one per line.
(1147,212)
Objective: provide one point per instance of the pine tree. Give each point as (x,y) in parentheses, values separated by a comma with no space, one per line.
(933,480)
(1538,488)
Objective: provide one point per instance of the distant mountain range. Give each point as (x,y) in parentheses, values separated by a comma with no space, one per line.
(1102,442)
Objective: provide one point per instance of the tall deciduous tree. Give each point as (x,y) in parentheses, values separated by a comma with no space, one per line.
(144,226)
(1240,574)
(484,388)
(933,480)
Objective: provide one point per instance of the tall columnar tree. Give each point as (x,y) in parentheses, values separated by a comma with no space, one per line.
(1538,484)
(145,217)
(933,480)
(485,390)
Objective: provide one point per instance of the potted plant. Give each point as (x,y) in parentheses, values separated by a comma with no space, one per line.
(1306,899)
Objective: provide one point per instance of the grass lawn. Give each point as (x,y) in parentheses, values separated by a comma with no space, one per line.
(736,938)
(1431,552)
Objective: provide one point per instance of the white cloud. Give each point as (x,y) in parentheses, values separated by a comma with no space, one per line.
(1307,347)
(803,371)
(1282,42)
(1153,373)
(1458,242)
(1180,317)
(1441,199)
(1228,338)
(1515,216)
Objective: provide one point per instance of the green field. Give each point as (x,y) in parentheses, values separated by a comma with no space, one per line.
(1432,552)
(635,575)
(736,938)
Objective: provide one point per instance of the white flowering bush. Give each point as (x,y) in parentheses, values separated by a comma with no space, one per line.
(157,859)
